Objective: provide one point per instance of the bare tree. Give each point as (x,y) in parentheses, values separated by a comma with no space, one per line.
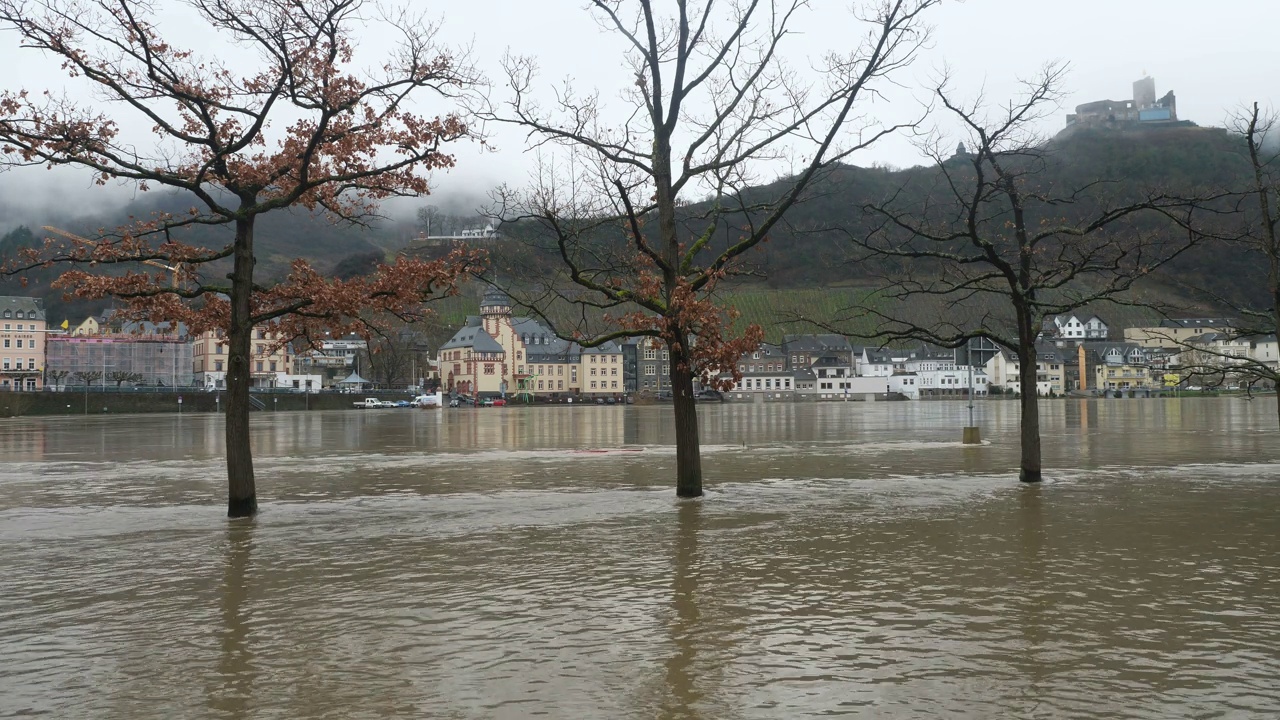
(394,355)
(57,376)
(989,247)
(120,377)
(712,108)
(303,129)
(87,377)
(1253,232)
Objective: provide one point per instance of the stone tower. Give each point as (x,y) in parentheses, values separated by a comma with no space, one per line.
(1144,93)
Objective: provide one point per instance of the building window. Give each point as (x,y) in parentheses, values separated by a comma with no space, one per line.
(593,384)
(666,369)
(649,354)
(273,366)
(560,383)
(650,369)
(615,371)
(539,384)
(615,384)
(666,355)
(217,365)
(259,366)
(6,342)
(31,363)
(488,369)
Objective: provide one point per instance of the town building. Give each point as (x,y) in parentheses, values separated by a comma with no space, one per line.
(332,359)
(1175,332)
(653,363)
(119,360)
(271,363)
(1075,327)
(22,343)
(497,354)
(805,351)
(1003,371)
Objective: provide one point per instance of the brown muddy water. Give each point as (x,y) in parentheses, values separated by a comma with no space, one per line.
(848,560)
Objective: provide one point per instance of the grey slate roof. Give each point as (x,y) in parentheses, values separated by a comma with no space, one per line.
(815,343)
(474,337)
(31,308)
(1196,322)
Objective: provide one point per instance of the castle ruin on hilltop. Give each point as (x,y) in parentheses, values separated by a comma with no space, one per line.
(1144,108)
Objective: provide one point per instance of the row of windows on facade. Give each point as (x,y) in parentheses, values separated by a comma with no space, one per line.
(21,314)
(258,366)
(31,344)
(5,364)
(218,350)
(746,384)
(20,328)
(595,384)
(17,384)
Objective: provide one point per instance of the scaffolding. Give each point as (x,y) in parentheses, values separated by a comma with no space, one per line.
(155,360)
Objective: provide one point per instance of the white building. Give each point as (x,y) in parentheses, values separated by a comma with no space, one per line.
(1073,327)
(1003,371)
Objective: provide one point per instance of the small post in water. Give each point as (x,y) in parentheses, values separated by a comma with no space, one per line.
(971,435)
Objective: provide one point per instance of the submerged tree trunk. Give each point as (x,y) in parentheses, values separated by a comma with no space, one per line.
(1029,469)
(242,500)
(688,452)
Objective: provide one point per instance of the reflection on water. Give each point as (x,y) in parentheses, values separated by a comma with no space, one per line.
(681,673)
(849,559)
(231,686)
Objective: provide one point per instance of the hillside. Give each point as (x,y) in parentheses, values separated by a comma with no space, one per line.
(800,257)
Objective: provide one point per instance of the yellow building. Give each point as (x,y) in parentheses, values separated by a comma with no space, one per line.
(1123,377)
(497,354)
(90,326)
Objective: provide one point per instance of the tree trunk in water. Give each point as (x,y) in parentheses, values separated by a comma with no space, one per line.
(1030,420)
(242,499)
(688,452)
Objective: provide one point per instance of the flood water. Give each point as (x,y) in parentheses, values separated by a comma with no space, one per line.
(489,563)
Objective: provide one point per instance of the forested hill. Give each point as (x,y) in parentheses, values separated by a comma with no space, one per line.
(1176,158)
(1179,160)
(280,237)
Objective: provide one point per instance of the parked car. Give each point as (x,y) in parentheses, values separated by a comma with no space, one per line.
(498,402)
(487,402)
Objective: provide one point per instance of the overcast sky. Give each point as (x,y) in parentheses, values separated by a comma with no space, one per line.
(1214,55)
